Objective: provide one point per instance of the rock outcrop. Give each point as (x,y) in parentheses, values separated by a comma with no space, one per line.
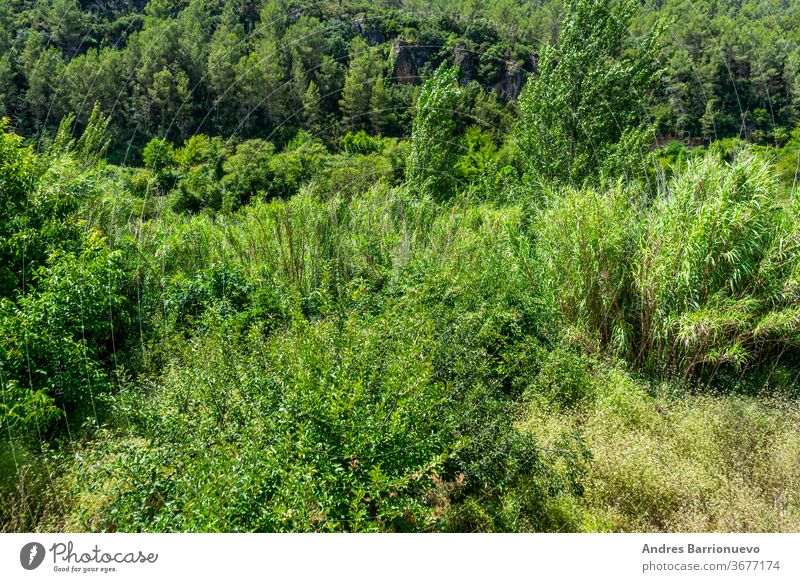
(510,86)
(408,60)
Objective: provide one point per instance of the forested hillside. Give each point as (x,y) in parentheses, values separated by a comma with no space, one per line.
(275,265)
(247,68)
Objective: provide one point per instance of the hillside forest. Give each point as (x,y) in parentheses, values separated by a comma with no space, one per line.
(399,266)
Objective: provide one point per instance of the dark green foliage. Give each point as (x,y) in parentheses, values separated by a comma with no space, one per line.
(264,70)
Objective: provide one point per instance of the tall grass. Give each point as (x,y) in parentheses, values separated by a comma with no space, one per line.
(701,277)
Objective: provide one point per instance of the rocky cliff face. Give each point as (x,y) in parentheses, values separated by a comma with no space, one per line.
(464,60)
(372,35)
(408,59)
(510,86)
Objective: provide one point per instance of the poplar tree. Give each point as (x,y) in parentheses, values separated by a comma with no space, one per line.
(433,143)
(585,113)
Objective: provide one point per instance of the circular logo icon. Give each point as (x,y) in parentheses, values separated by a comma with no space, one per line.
(31,555)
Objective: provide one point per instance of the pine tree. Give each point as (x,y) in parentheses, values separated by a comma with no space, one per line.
(357,92)
(223,60)
(381,116)
(313,118)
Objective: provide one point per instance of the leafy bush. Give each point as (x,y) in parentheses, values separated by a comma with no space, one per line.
(56,338)
(360,143)
(158,155)
(565,379)
(64,306)
(18,172)
(199,167)
(247,172)
(302,158)
(202,151)
(219,285)
(196,190)
(314,430)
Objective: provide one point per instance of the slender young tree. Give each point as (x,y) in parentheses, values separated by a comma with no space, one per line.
(433,143)
(590,95)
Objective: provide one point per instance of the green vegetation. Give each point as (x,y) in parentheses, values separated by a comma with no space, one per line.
(293,266)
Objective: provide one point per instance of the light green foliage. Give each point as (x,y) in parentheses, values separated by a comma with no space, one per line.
(587,240)
(19,172)
(788,162)
(158,155)
(700,277)
(360,143)
(90,148)
(56,336)
(565,380)
(477,160)
(270,327)
(433,141)
(62,304)
(317,429)
(319,402)
(582,113)
(302,158)
(219,287)
(199,174)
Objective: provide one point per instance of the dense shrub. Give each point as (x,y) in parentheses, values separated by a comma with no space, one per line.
(219,285)
(63,305)
(56,338)
(299,161)
(247,172)
(18,172)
